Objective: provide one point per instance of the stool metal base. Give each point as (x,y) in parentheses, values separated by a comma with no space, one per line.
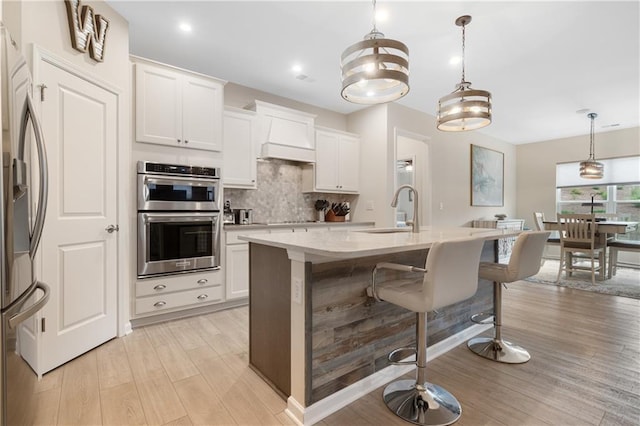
(426,404)
(498,350)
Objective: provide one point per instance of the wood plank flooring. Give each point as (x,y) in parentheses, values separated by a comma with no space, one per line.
(585,370)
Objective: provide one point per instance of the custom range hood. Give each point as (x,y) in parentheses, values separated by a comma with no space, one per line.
(285,133)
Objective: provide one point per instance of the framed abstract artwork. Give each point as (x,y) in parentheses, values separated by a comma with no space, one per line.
(487,177)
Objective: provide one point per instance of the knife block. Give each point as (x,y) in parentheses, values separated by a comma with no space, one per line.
(331,217)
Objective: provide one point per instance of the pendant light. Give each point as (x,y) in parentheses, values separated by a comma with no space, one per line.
(590,168)
(376,69)
(465,108)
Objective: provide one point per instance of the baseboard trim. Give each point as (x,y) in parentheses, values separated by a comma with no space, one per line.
(316,412)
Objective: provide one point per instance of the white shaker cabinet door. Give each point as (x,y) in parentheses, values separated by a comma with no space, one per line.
(239,169)
(202,113)
(158,105)
(237,262)
(349,164)
(327,161)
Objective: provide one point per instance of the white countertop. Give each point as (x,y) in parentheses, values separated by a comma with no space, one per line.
(275,225)
(353,244)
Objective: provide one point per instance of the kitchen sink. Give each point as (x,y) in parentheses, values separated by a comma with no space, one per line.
(385,230)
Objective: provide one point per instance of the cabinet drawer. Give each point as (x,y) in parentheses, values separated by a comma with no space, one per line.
(161,302)
(174,283)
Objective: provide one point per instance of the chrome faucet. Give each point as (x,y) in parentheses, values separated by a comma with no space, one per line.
(415,223)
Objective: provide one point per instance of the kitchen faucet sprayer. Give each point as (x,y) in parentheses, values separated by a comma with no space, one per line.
(415,222)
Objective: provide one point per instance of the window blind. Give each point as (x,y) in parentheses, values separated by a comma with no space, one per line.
(617,171)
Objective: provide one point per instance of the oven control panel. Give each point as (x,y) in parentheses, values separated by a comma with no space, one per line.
(178,170)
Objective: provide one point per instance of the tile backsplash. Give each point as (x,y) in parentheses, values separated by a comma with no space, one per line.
(279,196)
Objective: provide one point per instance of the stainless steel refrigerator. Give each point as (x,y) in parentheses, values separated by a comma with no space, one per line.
(22,295)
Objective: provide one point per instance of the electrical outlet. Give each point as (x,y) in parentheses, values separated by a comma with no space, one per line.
(441,205)
(297,291)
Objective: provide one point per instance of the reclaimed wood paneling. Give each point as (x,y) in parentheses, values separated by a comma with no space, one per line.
(352,334)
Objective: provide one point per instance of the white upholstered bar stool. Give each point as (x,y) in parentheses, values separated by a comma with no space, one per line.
(524,262)
(450,276)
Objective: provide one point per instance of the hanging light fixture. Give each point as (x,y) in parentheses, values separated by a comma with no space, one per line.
(465,108)
(590,168)
(376,69)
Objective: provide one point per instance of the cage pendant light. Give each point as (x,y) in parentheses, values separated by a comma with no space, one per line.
(590,168)
(376,69)
(465,108)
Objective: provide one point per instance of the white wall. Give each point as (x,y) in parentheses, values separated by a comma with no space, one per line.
(450,160)
(239,96)
(374,201)
(536,174)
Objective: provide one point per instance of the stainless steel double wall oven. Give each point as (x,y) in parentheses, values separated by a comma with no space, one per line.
(178,218)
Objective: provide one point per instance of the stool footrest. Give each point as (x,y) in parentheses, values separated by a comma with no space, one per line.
(397,355)
(483,318)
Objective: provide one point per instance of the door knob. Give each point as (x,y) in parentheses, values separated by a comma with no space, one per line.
(112,228)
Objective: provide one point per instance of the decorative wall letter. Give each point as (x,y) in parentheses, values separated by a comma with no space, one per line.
(87,29)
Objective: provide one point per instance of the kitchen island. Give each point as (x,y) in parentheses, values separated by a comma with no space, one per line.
(316,337)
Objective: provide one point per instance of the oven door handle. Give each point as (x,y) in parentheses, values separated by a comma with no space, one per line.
(168,217)
(177,180)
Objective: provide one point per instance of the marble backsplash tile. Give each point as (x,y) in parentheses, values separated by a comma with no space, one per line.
(279,196)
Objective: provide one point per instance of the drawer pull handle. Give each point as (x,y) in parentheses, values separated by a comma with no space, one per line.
(203,281)
(160,287)
(159,304)
(203,296)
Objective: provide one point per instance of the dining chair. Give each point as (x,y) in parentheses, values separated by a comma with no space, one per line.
(578,242)
(554,238)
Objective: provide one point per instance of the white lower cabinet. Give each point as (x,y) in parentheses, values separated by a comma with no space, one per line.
(236,263)
(175,292)
(237,270)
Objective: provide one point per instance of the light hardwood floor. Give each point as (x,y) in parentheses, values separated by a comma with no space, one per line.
(585,370)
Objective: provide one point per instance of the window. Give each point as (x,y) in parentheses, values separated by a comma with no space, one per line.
(620,202)
(616,196)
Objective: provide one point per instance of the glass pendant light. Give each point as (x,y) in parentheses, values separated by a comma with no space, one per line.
(465,108)
(590,168)
(376,69)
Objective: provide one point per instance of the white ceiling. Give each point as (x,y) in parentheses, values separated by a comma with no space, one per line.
(542,61)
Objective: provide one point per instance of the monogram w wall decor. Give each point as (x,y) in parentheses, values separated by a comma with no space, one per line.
(87,29)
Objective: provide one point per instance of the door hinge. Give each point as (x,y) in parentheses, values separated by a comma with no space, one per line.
(43,322)
(42,87)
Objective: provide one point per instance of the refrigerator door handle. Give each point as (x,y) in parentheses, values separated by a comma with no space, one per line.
(29,112)
(16,319)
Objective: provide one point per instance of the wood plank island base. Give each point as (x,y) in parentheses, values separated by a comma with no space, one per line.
(316,337)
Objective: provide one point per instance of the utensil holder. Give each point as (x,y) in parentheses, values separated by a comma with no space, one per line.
(331,217)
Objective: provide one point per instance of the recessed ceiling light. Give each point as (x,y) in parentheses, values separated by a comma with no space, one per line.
(296,68)
(185,27)
(455,60)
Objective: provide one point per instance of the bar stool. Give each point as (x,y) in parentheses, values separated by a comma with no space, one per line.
(524,262)
(450,276)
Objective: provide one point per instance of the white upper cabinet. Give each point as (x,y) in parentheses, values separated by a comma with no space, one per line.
(337,167)
(239,158)
(178,108)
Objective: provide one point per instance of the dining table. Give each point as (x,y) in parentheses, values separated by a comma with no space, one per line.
(605,229)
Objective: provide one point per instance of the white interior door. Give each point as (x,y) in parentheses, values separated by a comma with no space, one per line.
(79,257)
